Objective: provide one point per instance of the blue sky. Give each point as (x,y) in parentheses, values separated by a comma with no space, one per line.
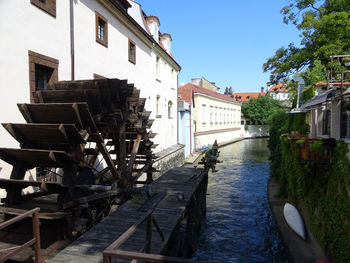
(225,41)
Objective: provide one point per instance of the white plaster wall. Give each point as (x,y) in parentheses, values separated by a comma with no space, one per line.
(165,86)
(222,137)
(30,28)
(255,131)
(112,62)
(24,27)
(202,116)
(135,11)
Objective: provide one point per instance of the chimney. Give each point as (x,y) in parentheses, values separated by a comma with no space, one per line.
(166,41)
(262,89)
(153,25)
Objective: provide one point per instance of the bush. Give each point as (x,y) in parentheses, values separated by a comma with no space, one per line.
(278,126)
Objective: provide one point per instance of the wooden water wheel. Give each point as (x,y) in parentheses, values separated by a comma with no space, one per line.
(89,142)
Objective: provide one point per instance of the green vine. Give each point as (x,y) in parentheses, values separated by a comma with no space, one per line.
(308,94)
(325,190)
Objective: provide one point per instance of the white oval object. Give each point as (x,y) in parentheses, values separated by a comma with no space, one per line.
(294,220)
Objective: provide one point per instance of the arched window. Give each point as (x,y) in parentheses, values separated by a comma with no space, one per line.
(170,109)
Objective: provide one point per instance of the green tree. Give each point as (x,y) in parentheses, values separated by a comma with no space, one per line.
(325,30)
(315,73)
(259,110)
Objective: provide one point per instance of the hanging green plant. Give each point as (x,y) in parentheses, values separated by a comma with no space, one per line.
(334,65)
(317,146)
(300,141)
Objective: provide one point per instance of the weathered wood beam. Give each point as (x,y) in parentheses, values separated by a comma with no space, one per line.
(102,148)
(14,193)
(134,152)
(77,114)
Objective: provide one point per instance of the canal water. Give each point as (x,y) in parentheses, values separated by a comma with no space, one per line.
(239,226)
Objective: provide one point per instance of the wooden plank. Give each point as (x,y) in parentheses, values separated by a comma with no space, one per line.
(54,113)
(122,147)
(45,136)
(133,153)
(51,187)
(102,148)
(25,112)
(23,256)
(77,114)
(148,257)
(14,193)
(35,158)
(89,198)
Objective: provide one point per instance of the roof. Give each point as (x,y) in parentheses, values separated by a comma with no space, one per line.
(319,99)
(124,3)
(323,84)
(142,30)
(166,35)
(186,93)
(152,17)
(280,87)
(246,96)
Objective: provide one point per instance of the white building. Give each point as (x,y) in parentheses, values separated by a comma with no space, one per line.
(279,92)
(216,116)
(44,41)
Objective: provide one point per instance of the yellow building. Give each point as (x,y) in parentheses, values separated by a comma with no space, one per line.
(217,116)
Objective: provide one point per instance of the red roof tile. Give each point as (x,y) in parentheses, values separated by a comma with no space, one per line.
(186,92)
(246,96)
(322,84)
(280,87)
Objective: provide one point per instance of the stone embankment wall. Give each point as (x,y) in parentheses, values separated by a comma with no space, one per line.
(169,158)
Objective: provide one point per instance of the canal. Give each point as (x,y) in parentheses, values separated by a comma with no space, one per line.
(239,226)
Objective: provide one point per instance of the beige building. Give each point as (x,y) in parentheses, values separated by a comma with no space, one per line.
(217,116)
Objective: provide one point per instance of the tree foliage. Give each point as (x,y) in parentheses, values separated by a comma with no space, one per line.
(315,73)
(325,30)
(259,110)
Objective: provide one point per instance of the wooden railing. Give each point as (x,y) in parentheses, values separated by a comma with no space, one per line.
(114,251)
(34,241)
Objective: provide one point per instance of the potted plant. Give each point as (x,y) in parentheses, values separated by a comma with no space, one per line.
(303,149)
(317,146)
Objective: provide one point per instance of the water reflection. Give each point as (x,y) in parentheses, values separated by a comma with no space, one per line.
(238,226)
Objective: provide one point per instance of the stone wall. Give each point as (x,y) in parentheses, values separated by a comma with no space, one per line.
(171,157)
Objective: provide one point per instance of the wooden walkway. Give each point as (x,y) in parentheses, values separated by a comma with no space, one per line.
(176,188)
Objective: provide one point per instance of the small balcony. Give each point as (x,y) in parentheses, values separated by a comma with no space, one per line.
(311,150)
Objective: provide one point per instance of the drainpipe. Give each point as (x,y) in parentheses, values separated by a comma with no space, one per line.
(190,129)
(72,38)
(301,85)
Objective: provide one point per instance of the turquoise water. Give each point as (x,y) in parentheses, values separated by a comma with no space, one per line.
(239,226)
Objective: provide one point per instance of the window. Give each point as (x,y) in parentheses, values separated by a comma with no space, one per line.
(49,6)
(204,109)
(345,119)
(43,71)
(101,30)
(132,52)
(170,109)
(158,115)
(42,76)
(326,127)
(158,68)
